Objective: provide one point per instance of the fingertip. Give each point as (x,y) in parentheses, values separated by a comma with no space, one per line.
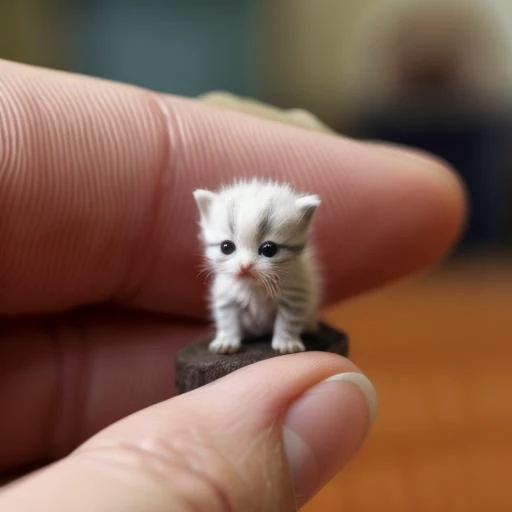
(325,427)
(439,179)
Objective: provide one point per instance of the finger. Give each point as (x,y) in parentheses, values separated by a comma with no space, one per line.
(64,377)
(242,440)
(96,204)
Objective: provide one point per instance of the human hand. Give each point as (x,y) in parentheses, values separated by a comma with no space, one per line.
(99,252)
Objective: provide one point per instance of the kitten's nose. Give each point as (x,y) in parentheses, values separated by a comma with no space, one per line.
(245,269)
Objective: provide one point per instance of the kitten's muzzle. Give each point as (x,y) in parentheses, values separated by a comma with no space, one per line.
(246,271)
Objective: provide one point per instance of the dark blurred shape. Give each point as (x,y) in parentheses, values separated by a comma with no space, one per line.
(441,92)
(475,142)
(429,43)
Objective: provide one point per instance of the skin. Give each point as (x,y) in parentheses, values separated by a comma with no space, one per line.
(99,288)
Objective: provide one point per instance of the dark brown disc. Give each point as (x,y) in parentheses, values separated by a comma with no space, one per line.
(196,365)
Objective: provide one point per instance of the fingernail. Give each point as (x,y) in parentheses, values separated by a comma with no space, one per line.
(324,428)
(365,386)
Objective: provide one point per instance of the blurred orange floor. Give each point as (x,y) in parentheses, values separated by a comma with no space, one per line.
(439,351)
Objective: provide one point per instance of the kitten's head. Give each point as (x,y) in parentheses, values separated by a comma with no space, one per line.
(252,230)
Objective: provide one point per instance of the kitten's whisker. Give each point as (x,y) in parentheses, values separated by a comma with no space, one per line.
(271,283)
(267,285)
(273,288)
(264,281)
(206,270)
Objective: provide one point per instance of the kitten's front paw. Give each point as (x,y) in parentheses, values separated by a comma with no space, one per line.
(288,346)
(224,345)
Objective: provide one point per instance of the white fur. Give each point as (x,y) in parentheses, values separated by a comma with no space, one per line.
(284,295)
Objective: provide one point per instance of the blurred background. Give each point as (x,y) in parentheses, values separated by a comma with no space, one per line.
(434,74)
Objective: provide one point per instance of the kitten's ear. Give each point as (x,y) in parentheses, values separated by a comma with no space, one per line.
(204,200)
(307,207)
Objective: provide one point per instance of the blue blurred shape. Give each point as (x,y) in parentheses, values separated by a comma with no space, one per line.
(184,47)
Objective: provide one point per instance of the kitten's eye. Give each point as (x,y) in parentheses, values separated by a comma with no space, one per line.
(268,249)
(227,247)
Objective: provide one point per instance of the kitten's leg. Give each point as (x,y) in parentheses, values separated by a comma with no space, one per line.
(229,333)
(291,321)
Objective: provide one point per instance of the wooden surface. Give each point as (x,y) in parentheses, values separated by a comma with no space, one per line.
(439,351)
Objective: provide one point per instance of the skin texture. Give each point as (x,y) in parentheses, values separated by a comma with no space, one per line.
(99,260)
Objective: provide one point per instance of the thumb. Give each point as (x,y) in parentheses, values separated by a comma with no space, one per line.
(264,438)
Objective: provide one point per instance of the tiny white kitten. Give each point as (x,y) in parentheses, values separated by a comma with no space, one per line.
(256,235)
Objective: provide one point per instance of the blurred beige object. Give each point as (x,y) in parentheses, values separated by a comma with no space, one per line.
(327,56)
(295,117)
(416,47)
